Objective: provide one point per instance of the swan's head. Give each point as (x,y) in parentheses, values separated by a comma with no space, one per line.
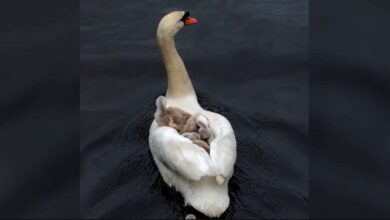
(171,23)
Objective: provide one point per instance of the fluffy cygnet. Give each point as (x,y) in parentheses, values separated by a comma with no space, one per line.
(194,127)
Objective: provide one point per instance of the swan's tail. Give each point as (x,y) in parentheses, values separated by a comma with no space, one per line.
(208,197)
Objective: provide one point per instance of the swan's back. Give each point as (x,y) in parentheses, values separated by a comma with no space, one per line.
(189,169)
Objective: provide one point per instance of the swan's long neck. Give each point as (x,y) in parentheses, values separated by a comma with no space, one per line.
(179,83)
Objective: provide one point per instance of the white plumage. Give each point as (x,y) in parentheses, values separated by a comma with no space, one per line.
(200,177)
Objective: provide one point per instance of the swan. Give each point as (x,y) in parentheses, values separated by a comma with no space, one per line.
(201,178)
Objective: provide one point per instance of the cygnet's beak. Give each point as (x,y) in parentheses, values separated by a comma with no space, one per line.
(190,21)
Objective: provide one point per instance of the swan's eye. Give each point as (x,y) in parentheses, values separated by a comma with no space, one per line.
(187,20)
(185,16)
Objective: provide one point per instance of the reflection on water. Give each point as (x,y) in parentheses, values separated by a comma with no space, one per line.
(120,180)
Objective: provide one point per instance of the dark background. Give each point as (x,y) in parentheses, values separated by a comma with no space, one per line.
(39,109)
(349,96)
(349,109)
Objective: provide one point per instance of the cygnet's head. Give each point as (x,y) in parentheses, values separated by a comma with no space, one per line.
(171,23)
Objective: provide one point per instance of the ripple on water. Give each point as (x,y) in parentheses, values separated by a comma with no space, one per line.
(120,180)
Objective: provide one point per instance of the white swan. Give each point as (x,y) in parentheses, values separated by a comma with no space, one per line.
(201,178)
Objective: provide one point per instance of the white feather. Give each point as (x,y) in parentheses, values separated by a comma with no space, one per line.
(201,178)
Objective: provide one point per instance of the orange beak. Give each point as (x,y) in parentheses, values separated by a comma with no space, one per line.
(190,21)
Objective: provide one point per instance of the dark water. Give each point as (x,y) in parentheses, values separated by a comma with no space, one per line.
(120,180)
(247,61)
(249,54)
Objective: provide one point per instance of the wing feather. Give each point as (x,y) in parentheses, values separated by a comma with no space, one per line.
(179,154)
(223,150)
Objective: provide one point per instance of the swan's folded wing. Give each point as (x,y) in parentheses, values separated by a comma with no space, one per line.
(223,148)
(180,155)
